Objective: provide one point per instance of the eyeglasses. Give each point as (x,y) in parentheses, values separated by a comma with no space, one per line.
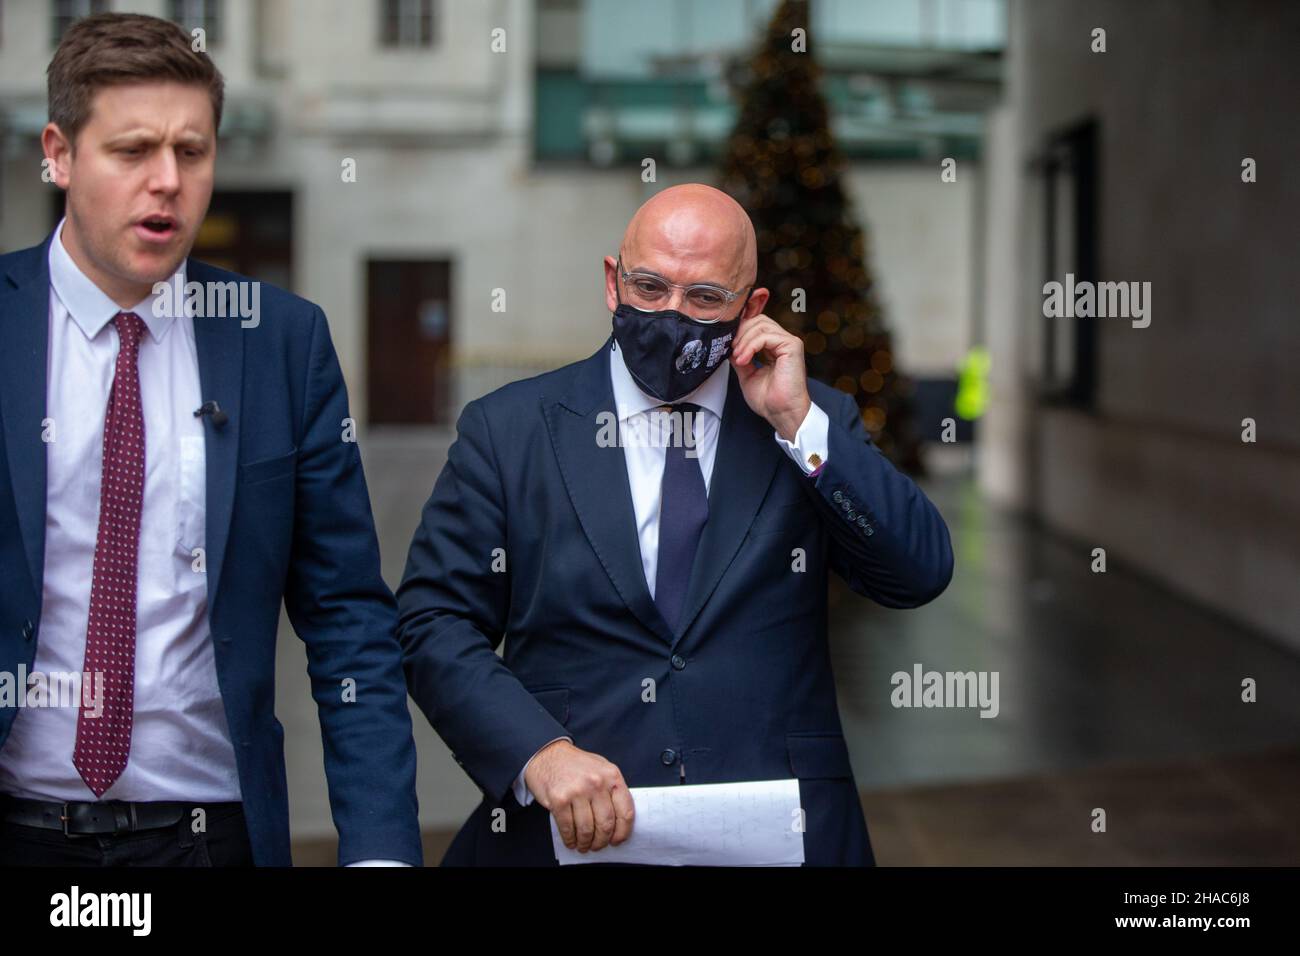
(705,300)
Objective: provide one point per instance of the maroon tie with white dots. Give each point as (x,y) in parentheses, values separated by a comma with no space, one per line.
(104,740)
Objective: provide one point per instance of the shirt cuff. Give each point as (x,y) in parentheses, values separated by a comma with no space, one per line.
(524,796)
(810,446)
(378,863)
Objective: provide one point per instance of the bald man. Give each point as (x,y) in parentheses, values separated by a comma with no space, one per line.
(653,528)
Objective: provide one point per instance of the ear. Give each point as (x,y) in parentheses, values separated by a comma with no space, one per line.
(58,150)
(611,283)
(757,302)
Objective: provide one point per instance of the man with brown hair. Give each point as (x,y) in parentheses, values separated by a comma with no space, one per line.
(169,472)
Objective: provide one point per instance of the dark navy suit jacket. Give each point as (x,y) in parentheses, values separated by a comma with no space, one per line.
(742,689)
(288,517)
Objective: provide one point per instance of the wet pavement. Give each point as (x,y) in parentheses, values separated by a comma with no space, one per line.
(1113,693)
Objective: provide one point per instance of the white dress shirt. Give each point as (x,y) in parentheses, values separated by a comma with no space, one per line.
(180,743)
(645,437)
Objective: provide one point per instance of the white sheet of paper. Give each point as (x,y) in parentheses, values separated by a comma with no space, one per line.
(755,823)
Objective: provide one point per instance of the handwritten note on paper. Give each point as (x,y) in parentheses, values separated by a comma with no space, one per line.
(755,823)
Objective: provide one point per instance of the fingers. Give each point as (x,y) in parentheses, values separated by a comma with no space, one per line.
(759,334)
(757,341)
(564,823)
(624,812)
(602,808)
(584,823)
(605,812)
(745,372)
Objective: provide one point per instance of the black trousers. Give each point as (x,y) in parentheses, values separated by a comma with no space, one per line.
(224,843)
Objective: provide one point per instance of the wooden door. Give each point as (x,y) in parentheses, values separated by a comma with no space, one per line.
(408,318)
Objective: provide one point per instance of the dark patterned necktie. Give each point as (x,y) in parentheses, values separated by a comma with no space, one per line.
(104,741)
(683,512)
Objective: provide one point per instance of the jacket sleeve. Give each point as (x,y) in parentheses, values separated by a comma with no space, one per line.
(453,605)
(343,611)
(888,541)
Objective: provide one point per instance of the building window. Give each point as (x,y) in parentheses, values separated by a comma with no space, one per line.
(1066,368)
(66,11)
(406,23)
(195,14)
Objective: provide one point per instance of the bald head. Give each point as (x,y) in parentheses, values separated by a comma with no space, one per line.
(698,231)
(691,234)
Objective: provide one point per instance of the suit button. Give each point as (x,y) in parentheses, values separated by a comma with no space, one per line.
(27,630)
(862,521)
(869,531)
(679,662)
(668,758)
(852,515)
(846,504)
(837,497)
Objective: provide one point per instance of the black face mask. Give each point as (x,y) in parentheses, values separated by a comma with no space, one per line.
(668,353)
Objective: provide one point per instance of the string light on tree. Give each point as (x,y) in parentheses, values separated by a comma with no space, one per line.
(782,165)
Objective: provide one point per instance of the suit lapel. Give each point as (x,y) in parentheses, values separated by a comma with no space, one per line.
(743,467)
(597,483)
(25,311)
(220,345)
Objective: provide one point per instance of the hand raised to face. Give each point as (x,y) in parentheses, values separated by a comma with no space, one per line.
(778,390)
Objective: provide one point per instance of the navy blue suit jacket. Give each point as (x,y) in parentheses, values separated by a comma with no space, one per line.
(288,517)
(742,689)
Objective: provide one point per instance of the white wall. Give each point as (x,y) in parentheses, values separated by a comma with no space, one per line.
(1160,476)
(442,144)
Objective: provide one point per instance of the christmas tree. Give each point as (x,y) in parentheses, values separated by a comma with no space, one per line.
(782,165)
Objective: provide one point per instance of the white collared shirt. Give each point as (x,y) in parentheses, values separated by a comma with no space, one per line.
(645,442)
(180,742)
(645,437)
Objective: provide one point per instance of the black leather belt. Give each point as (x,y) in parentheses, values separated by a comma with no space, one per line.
(103,816)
